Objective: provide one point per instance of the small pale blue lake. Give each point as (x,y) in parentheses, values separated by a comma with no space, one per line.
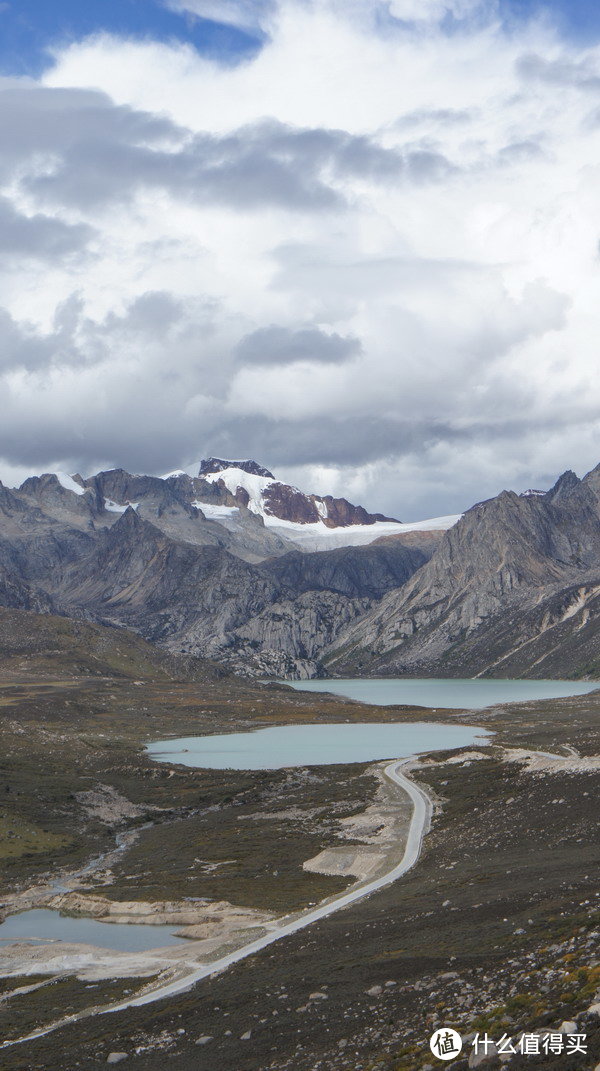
(42,924)
(314,745)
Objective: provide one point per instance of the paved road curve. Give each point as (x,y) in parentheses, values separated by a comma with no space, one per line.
(418,827)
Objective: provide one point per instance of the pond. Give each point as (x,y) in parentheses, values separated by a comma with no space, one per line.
(42,924)
(441,694)
(314,745)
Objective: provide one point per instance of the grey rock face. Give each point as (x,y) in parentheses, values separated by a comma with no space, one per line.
(532,561)
(218,464)
(160,567)
(513,589)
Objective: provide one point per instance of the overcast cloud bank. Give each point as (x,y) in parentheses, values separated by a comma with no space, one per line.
(367,256)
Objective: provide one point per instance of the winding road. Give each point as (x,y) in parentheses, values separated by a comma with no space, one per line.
(419,825)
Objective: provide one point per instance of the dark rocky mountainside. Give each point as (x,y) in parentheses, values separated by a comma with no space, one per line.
(512,590)
(139,553)
(205,600)
(45,644)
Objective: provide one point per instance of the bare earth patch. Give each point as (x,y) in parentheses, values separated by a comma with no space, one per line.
(541,764)
(381,830)
(107,805)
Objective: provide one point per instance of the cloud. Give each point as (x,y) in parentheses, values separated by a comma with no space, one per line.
(365,255)
(248,15)
(433,10)
(580,73)
(39,235)
(275,345)
(76,149)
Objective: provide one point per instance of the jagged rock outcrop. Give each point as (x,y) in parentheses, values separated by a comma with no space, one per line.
(273,617)
(513,558)
(218,464)
(512,589)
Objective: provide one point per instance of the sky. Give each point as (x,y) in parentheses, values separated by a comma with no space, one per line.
(356,240)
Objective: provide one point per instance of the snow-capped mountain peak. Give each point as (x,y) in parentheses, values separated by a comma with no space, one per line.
(256,487)
(218,464)
(248,487)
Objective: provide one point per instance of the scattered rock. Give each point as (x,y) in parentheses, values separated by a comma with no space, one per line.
(318,996)
(246,1036)
(375,991)
(568,1027)
(204,1040)
(478,1059)
(116,1057)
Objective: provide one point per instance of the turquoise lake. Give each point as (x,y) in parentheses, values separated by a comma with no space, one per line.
(445,694)
(314,745)
(324,745)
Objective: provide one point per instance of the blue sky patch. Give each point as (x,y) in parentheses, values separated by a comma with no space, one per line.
(578,19)
(28,28)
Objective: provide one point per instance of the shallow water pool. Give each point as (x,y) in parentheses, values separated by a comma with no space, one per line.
(41,924)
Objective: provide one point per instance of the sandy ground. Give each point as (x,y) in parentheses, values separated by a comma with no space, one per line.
(380,829)
(537,763)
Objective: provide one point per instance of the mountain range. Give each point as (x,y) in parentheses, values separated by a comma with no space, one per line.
(234,565)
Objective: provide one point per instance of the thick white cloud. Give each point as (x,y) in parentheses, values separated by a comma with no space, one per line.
(368,255)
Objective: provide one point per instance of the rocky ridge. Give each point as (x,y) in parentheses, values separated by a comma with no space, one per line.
(198,565)
(511,590)
(152,555)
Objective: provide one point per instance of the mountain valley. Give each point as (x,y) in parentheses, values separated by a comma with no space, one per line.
(223,565)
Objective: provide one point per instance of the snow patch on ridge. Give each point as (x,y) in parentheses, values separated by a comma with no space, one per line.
(319,537)
(69,483)
(253,485)
(217,513)
(114,507)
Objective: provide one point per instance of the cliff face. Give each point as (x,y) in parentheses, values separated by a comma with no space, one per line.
(274,617)
(512,571)
(512,589)
(164,568)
